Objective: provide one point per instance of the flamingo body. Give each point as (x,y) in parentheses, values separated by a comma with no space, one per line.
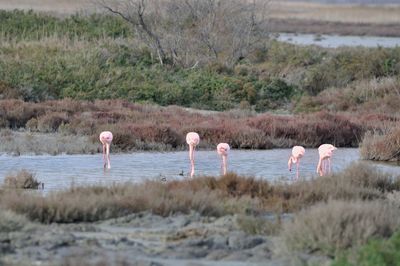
(106,139)
(192,139)
(297,153)
(325,153)
(222,150)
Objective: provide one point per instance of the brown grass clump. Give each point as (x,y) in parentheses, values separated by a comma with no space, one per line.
(339,225)
(384,146)
(230,184)
(22,179)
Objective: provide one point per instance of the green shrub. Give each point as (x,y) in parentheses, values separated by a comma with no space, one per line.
(382,252)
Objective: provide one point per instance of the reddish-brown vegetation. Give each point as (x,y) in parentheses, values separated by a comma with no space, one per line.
(138,126)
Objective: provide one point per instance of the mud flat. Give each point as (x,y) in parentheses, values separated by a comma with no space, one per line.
(145,239)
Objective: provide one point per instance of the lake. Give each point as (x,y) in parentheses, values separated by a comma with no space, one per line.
(59,172)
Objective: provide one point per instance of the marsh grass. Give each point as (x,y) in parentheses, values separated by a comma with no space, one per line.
(339,225)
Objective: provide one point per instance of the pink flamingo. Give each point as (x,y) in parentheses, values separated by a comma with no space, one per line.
(193,139)
(222,150)
(325,153)
(297,154)
(105,139)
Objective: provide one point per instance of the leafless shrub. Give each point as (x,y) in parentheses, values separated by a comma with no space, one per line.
(192,31)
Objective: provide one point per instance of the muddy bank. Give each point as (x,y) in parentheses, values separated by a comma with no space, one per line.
(311,26)
(145,239)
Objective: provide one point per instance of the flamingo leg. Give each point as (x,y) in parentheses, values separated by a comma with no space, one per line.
(104,156)
(108,155)
(224,164)
(297,169)
(290,164)
(191,157)
(323,166)
(319,167)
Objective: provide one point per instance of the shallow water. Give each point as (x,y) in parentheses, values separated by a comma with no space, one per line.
(59,172)
(335,41)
